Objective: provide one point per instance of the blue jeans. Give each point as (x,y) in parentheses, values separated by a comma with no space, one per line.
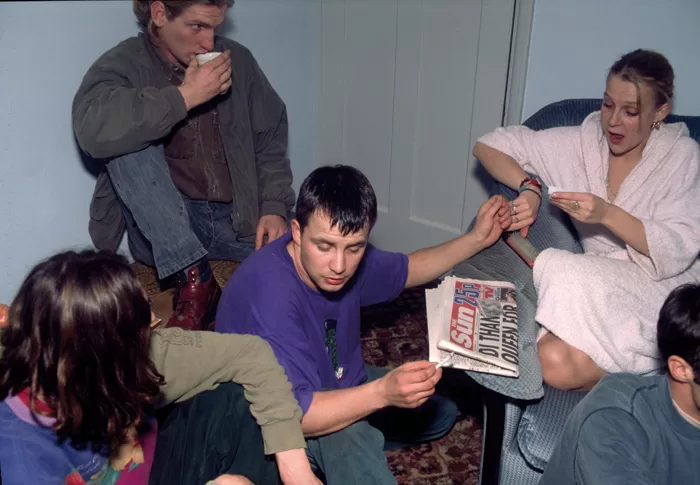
(356,454)
(165,229)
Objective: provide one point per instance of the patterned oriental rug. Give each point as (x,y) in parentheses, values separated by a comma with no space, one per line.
(394,333)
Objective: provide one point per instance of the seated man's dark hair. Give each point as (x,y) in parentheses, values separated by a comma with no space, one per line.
(142,8)
(78,339)
(678,331)
(340,192)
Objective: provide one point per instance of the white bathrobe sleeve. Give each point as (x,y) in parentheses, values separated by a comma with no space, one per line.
(552,154)
(673,230)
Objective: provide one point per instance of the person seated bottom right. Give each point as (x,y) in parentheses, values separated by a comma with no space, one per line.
(641,429)
(631,185)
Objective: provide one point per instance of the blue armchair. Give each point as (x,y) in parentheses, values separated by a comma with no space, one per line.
(519,437)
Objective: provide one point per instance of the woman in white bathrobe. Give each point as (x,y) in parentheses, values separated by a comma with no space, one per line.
(631,185)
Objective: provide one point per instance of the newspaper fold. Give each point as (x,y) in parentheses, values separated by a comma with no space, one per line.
(473,325)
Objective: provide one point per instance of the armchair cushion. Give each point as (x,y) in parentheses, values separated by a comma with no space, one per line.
(542,424)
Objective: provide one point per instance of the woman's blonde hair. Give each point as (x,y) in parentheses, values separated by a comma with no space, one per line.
(646,67)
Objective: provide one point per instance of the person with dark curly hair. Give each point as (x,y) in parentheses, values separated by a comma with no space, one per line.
(83,378)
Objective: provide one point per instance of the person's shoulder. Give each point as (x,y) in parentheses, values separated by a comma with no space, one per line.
(373,251)
(559,133)
(551,138)
(6,414)
(233,45)
(125,50)
(239,52)
(681,153)
(130,45)
(262,293)
(621,409)
(267,273)
(272,257)
(625,384)
(17,431)
(619,391)
(612,407)
(688,146)
(385,255)
(376,259)
(122,57)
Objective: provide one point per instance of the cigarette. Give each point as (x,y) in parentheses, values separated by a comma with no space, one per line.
(444,361)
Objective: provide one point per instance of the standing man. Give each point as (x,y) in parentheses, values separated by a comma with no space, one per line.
(303,294)
(196,164)
(641,430)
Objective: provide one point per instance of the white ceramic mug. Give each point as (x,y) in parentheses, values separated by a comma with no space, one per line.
(206,57)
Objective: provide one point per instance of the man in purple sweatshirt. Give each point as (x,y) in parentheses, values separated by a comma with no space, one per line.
(303,293)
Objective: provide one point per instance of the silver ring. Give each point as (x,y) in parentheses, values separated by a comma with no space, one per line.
(575,206)
(513,210)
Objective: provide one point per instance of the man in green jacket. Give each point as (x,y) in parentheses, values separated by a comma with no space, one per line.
(195,154)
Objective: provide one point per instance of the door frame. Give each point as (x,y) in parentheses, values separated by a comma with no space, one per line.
(523,17)
(497,79)
(519,55)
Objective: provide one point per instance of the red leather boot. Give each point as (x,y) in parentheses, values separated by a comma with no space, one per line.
(195,302)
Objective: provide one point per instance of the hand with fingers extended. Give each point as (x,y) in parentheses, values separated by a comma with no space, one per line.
(410,385)
(488,226)
(203,83)
(522,212)
(582,206)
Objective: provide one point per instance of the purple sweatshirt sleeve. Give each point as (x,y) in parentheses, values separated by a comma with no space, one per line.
(281,324)
(383,276)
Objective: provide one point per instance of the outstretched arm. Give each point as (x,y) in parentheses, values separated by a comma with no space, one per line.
(427,264)
(499,165)
(194,362)
(407,386)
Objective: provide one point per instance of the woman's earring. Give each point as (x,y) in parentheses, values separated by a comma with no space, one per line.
(655,125)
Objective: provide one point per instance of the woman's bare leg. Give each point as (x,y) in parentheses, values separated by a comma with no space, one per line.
(566,367)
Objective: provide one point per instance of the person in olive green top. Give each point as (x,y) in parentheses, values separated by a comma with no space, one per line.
(195,155)
(83,377)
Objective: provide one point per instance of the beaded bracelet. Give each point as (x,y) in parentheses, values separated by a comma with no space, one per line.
(531,190)
(528,183)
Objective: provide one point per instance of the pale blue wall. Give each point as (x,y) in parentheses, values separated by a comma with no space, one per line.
(46,47)
(574,43)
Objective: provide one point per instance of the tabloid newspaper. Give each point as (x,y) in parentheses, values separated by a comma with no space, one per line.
(473,325)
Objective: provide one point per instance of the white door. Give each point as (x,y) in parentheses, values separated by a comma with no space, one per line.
(406,88)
